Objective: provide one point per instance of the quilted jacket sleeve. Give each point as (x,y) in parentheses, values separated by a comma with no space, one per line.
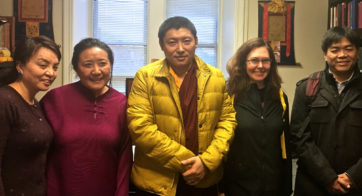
(224,130)
(145,133)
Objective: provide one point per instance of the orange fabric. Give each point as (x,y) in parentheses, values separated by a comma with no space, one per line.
(177,81)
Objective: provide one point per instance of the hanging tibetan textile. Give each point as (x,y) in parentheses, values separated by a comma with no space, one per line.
(33,18)
(276,25)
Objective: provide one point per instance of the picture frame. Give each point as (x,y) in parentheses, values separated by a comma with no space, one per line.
(35,10)
(276,26)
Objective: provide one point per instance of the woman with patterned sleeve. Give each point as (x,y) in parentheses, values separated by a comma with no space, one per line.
(91,154)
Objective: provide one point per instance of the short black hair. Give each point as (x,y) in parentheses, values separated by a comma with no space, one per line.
(176,22)
(335,35)
(26,47)
(90,43)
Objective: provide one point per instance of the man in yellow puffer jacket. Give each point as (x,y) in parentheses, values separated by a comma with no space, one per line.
(180,118)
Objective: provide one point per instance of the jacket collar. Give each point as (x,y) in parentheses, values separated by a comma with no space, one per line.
(163,70)
(327,91)
(251,101)
(202,73)
(331,80)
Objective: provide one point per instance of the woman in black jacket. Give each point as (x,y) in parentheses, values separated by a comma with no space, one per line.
(258,162)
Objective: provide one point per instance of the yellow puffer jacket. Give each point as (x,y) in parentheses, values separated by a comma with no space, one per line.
(156,126)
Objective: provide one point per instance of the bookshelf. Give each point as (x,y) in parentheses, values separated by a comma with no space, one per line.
(346,13)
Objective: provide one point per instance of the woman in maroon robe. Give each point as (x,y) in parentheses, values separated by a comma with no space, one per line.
(91,154)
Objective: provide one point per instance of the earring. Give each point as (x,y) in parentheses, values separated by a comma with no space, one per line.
(20,73)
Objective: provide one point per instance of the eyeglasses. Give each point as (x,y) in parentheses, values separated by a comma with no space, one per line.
(256,61)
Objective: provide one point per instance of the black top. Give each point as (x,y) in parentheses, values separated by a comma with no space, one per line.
(25,137)
(327,133)
(254,163)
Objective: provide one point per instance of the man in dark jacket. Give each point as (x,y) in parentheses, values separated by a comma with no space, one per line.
(327,128)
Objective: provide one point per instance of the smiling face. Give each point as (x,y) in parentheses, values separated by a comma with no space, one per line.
(179,47)
(341,58)
(40,71)
(94,70)
(258,65)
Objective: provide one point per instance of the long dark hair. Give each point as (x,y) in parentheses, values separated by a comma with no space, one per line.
(239,82)
(25,48)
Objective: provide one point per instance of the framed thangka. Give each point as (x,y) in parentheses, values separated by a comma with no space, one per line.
(276,25)
(33,18)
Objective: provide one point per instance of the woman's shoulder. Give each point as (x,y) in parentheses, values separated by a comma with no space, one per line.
(117,95)
(62,90)
(62,94)
(4,90)
(285,96)
(11,102)
(8,94)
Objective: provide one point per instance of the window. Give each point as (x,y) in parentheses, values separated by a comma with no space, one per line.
(122,25)
(204,15)
(125,26)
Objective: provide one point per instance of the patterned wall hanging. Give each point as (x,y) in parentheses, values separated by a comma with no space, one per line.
(276,25)
(33,18)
